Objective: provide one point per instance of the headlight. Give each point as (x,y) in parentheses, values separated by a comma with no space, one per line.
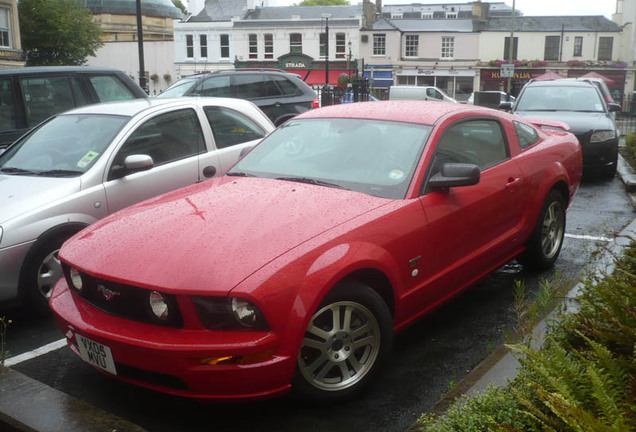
(600,136)
(220,313)
(159,305)
(76,279)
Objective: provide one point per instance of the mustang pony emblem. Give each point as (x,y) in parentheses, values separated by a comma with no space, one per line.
(107,293)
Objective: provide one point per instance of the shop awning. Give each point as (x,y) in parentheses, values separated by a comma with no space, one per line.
(301,72)
(317,77)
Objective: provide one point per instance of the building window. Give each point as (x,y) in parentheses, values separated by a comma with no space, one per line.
(411,45)
(605,48)
(323,45)
(427,15)
(340,45)
(379,44)
(269,45)
(578,46)
(225,46)
(203,41)
(552,48)
(451,14)
(448,47)
(189,46)
(296,43)
(515,45)
(253,45)
(5,28)
(397,15)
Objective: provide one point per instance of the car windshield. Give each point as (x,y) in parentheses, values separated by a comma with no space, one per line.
(65,146)
(369,156)
(178,89)
(566,98)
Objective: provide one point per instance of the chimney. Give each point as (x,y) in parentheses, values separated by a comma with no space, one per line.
(481,11)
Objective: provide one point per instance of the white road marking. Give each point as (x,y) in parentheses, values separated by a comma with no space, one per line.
(587,237)
(11,361)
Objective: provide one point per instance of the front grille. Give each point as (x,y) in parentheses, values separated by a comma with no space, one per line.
(584,138)
(155,378)
(126,301)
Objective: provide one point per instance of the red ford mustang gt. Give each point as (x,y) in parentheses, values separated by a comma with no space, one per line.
(294,269)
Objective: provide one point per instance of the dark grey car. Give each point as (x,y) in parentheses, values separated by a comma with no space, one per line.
(30,95)
(580,105)
(280,95)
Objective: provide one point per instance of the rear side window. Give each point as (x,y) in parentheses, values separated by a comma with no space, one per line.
(231,127)
(215,86)
(48,95)
(254,86)
(7,109)
(110,88)
(286,86)
(526,134)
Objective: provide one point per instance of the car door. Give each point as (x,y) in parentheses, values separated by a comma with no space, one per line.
(472,228)
(174,140)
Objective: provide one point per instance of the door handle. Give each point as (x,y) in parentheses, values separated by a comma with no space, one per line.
(209,171)
(513,184)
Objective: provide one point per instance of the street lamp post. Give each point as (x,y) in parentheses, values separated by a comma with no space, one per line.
(349,59)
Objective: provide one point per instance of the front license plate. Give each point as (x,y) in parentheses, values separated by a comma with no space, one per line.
(96,354)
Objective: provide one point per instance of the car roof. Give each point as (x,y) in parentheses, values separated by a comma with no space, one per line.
(34,70)
(133,107)
(561,83)
(410,111)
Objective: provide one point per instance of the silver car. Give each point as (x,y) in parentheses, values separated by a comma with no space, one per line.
(84,164)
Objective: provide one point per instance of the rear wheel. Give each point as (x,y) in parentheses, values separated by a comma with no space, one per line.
(545,243)
(347,339)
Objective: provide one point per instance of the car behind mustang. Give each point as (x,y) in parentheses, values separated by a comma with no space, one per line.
(295,268)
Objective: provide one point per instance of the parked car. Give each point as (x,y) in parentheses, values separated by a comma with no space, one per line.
(418,93)
(32,94)
(295,268)
(279,94)
(348,98)
(503,97)
(84,164)
(579,104)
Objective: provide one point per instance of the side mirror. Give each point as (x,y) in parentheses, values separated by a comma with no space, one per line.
(454,175)
(506,106)
(245,151)
(132,164)
(613,107)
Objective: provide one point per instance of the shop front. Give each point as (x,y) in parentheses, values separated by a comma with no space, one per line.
(457,83)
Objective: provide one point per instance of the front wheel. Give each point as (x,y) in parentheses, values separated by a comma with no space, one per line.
(545,243)
(347,339)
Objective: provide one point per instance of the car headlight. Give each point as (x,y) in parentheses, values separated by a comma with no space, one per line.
(76,279)
(600,136)
(220,313)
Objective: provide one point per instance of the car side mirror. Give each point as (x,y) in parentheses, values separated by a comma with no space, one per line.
(245,151)
(454,175)
(506,106)
(613,107)
(132,164)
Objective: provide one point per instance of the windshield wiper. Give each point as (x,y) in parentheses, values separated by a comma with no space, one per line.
(14,170)
(59,173)
(311,181)
(239,174)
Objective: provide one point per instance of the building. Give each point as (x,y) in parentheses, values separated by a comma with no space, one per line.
(10,46)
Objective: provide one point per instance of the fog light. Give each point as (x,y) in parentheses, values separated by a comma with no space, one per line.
(76,279)
(158,305)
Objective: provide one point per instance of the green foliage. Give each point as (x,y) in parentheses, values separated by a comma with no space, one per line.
(629,151)
(323,3)
(57,32)
(180,5)
(583,379)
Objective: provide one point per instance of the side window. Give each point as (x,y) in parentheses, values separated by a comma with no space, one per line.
(110,88)
(479,142)
(287,87)
(7,110)
(250,86)
(215,86)
(45,96)
(166,138)
(231,127)
(526,134)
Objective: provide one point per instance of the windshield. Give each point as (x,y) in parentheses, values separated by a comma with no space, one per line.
(369,156)
(65,146)
(178,89)
(551,98)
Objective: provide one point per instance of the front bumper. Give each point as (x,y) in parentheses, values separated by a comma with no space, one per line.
(168,359)
(599,154)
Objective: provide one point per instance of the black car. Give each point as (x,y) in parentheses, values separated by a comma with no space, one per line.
(580,105)
(280,95)
(32,94)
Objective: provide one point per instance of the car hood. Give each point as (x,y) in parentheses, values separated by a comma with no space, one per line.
(20,194)
(210,236)
(579,122)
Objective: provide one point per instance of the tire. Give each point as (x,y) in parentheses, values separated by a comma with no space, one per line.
(42,271)
(544,245)
(346,341)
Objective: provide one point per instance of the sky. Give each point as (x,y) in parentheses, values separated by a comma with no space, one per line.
(528,7)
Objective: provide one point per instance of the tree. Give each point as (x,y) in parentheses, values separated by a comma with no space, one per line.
(57,32)
(180,5)
(324,3)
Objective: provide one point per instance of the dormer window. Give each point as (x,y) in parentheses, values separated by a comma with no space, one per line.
(397,15)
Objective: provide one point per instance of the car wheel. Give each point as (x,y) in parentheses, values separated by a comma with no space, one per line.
(347,339)
(42,271)
(545,243)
